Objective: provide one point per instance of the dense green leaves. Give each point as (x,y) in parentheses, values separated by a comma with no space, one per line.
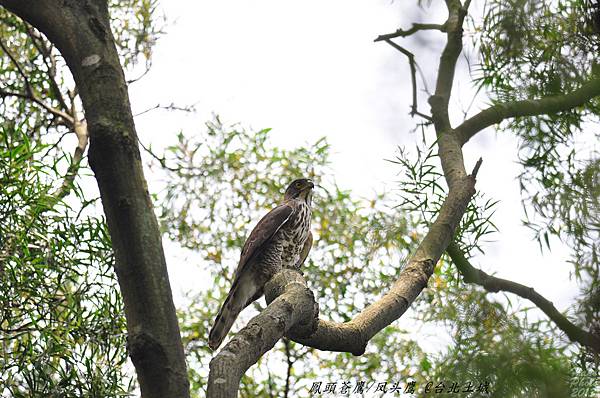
(62,330)
(532,49)
(62,327)
(61,324)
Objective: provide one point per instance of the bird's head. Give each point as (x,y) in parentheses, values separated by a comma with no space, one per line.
(300,189)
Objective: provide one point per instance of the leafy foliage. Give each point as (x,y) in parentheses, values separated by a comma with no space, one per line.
(423,190)
(532,49)
(62,324)
(136,27)
(220,182)
(485,335)
(62,330)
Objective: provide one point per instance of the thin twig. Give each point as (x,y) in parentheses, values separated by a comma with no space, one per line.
(161,160)
(50,62)
(170,107)
(29,89)
(416,27)
(413,72)
(141,76)
(16,63)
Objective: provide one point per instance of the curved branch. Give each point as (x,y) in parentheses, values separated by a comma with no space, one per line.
(445,79)
(287,316)
(293,312)
(292,304)
(499,112)
(354,335)
(413,76)
(492,284)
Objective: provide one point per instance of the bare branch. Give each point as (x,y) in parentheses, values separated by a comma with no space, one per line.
(294,304)
(80,130)
(169,107)
(548,105)
(30,94)
(49,59)
(413,72)
(476,168)
(292,310)
(492,284)
(416,27)
(4,94)
(17,65)
(56,112)
(141,76)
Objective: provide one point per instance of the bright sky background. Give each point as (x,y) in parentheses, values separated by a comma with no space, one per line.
(311,69)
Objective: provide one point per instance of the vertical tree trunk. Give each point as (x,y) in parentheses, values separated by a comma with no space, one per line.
(80,30)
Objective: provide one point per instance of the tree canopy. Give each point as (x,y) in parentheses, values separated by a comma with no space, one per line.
(84,289)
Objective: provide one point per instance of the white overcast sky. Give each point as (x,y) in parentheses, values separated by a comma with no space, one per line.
(309,69)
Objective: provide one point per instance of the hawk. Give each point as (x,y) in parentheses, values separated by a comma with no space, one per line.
(281,239)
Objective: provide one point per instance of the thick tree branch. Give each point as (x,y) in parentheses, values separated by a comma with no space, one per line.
(499,112)
(80,30)
(292,310)
(286,316)
(449,146)
(445,79)
(292,304)
(492,284)
(416,27)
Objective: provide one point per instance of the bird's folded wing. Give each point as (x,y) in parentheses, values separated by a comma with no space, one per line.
(262,233)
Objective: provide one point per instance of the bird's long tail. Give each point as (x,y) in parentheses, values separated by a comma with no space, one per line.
(240,296)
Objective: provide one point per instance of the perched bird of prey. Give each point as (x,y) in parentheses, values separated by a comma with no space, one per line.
(281,239)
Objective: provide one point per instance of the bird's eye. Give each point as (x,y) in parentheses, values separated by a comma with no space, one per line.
(298,184)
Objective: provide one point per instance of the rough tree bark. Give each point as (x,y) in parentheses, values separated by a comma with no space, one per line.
(80,29)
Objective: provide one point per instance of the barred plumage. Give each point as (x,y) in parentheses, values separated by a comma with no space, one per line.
(281,239)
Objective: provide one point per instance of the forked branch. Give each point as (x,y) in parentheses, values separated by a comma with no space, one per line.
(286,315)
